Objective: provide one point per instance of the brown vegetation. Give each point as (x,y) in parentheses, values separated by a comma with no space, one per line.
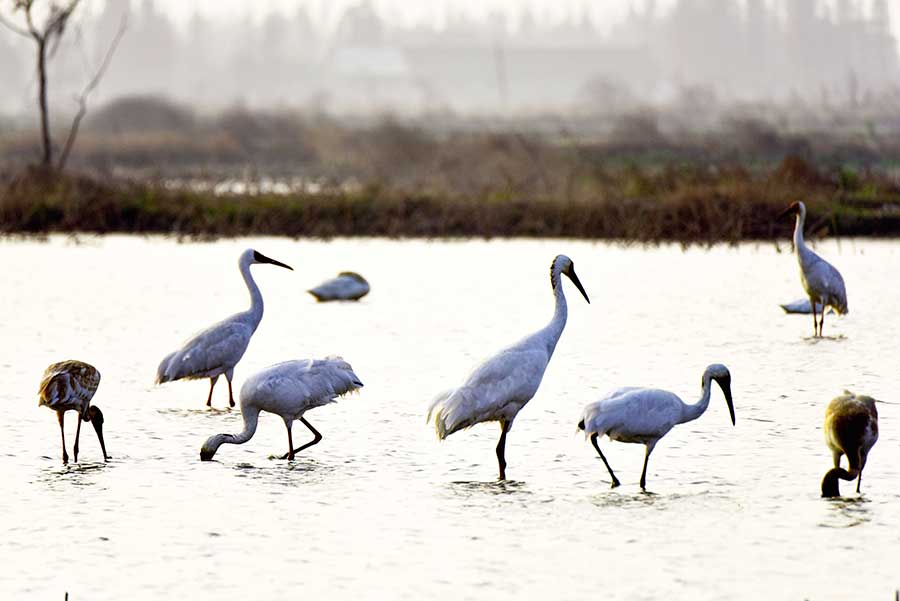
(150,165)
(686,205)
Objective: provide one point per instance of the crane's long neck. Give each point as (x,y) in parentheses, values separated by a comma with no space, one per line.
(692,412)
(251,419)
(799,243)
(560,312)
(256,300)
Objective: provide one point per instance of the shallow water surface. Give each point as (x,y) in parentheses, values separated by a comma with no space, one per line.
(380,508)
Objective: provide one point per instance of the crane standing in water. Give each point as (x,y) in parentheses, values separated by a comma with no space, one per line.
(217,349)
(822,282)
(501,386)
(70,386)
(851,429)
(289,390)
(645,415)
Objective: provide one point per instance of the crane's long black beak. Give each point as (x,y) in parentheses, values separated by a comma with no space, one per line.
(261,258)
(97,422)
(574,277)
(726,390)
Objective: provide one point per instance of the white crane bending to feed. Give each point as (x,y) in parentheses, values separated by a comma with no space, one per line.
(70,385)
(645,415)
(288,389)
(851,429)
(217,349)
(823,283)
(502,385)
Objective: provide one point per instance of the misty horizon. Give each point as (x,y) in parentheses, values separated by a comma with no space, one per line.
(822,54)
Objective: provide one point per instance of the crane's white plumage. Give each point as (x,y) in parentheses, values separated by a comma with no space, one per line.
(851,429)
(823,283)
(348,285)
(288,389)
(70,386)
(218,348)
(497,389)
(645,415)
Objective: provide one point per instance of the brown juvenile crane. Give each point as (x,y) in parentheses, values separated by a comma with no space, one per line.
(70,385)
(851,429)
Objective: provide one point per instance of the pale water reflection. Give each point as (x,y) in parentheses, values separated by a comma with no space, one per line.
(380,509)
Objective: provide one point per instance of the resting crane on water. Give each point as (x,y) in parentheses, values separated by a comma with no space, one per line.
(822,282)
(851,429)
(501,386)
(70,385)
(348,285)
(289,390)
(645,415)
(217,349)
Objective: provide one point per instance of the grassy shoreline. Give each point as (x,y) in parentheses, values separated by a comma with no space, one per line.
(688,206)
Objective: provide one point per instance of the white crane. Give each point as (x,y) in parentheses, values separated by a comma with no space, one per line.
(644,415)
(288,389)
(70,385)
(803,307)
(348,285)
(851,429)
(501,386)
(822,282)
(218,348)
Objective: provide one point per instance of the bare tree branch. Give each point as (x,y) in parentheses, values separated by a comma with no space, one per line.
(13,27)
(57,23)
(26,6)
(82,99)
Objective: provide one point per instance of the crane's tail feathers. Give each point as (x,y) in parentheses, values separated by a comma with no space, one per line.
(455,410)
(161,375)
(592,422)
(168,368)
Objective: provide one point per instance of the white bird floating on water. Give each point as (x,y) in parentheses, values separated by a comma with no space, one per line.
(802,306)
(644,415)
(217,349)
(288,389)
(502,385)
(348,285)
(851,429)
(822,282)
(70,385)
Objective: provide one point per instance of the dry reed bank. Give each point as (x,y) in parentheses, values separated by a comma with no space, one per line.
(144,165)
(682,205)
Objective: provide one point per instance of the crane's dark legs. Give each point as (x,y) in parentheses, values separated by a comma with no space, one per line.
(316,438)
(822,320)
(77,436)
(230,394)
(290,454)
(61,416)
(212,384)
(644,472)
(615,481)
(812,305)
(859,481)
(501,448)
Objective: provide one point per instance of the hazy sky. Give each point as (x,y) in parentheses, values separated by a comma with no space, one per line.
(406,10)
(411,11)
